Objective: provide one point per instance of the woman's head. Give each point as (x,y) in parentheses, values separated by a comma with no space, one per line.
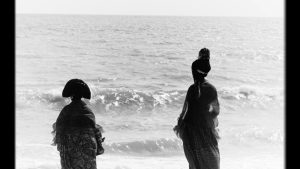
(200,69)
(204,54)
(76,89)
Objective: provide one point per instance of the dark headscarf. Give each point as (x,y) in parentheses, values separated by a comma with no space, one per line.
(76,88)
(200,69)
(204,53)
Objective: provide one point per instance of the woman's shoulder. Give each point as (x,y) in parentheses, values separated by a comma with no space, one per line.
(192,87)
(208,85)
(209,89)
(65,108)
(192,90)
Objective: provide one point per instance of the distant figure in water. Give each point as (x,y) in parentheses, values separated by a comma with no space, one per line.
(77,137)
(198,121)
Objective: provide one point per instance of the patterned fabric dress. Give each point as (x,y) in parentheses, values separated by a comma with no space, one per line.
(75,136)
(79,152)
(197,127)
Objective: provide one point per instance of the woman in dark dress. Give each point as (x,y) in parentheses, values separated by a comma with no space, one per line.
(198,121)
(77,137)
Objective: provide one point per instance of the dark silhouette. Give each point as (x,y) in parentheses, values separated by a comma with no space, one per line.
(204,53)
(77,137)
(198,121)
(204,65)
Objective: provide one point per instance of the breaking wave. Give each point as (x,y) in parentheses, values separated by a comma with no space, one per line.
(129,100)
(146,147)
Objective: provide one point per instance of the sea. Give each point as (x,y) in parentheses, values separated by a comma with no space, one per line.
(138,69)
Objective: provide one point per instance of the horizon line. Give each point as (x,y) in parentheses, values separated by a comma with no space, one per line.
(158,15)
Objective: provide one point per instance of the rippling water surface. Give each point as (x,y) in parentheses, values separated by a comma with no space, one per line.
(138,69)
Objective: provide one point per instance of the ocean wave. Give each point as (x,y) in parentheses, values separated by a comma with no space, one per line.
(133,100)
(146,147)
(129,100)
(252,135)
(163,146)
(141,147)
(250,93)
(106,100)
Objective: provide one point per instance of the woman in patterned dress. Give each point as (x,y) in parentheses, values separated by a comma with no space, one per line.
(198,121)
(75,131)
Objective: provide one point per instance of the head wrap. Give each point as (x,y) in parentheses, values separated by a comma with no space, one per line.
(204,53)
(200,69)
(76,88)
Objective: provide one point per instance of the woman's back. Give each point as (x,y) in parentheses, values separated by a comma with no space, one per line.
(202,105)
(76,114)
(197,122)
(75,131)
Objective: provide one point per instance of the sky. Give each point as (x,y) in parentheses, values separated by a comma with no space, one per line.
(247,8)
